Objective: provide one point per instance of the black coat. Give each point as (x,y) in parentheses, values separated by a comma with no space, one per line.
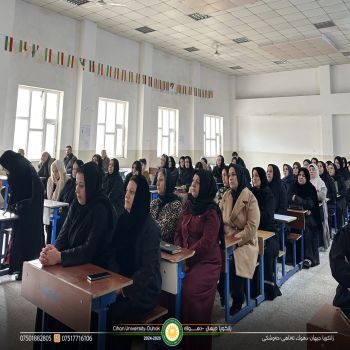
(113,188)
(280,199)
(217,173)
(331,190)
(147,281)
(339,253)
(185,177)
(67,195)
(266,204)
(87,239)
(27,201)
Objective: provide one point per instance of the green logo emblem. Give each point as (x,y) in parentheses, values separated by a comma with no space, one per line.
(172,332)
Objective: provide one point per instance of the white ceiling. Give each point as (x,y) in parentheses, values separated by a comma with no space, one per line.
(264,22)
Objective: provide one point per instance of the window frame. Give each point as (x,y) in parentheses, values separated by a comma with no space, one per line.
(219,135)
(123,127)
(174,131)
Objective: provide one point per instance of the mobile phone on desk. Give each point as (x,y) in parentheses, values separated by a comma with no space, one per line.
(98,276)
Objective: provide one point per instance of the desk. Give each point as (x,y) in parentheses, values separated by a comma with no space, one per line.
(262,237)
(230,242)
(283,220)
(5,183)
(65,294)
(55,217)
(171,270)
(5,219)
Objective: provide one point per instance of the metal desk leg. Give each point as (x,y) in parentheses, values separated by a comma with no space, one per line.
(55,218)
(227,284)
(6,184)
(260,298)
(284,249)
(180,277)
(302,249)
(100,306)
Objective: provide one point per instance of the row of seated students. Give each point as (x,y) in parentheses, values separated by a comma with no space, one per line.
(128,243)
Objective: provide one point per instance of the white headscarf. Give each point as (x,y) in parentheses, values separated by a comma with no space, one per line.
(51,194)
(318,183)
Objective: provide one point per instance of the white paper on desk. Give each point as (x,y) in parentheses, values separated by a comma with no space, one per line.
(46,216)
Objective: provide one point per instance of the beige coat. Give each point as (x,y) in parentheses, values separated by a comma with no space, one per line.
(243,221)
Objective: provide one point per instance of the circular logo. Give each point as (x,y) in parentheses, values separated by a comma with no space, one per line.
(172,332)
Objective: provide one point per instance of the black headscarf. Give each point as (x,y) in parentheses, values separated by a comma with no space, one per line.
(170,183)
(68,193)
(130,225)
(324,176)
(181,158)
(99,160)
(287,179)
(20,175)
(343,170)
(173,163)
(262,175)
(308,190)
(242,181)
(115,166)
(276,181)
(93,181)
(205,200)
(166,165)
(307,160)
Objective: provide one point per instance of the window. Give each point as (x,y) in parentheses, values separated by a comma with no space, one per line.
(167,131)
(112,127)
(37,116)
(212,135)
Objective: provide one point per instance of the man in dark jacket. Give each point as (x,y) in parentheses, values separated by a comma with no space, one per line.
(69,159)
(339,259)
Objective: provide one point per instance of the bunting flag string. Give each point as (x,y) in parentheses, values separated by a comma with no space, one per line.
(64,60)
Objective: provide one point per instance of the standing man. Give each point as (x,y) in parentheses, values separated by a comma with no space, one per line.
(105,161)
(69,159)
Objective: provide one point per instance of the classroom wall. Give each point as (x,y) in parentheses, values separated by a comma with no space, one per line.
(82,90)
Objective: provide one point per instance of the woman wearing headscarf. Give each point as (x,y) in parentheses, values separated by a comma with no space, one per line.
(220,164)
(87,233)
(200,229)
(97,159)
(172,167)
(164,163)
(267,207)
(321,189)
(186,174)
(331,191)
(221,191)
(340,186)
(166,209)
(136,169)
(296,168)
(113,186)
(339,258)
(44,168)
(314,160)
(26,199)
(277,187)
(342,169)
(68,193)
(137,256)
(303,195)
(57,180)
(306,163)
(241,217)
(288,179)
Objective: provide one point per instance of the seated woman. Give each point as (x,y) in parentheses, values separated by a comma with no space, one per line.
(172,167)
(199,229)
(137,256)
(339,258)
(220,164)
(306,163)
(314,160)
(277,187)
(303,195)
(296,168)
(145,172)
(164,163)
(166,209)
(56,181)
(136,169)
(44,168)
(27,201)
(68,193)
(267,206)
(288,176)
(225,187)
(186,174)
(87,233)
(341,192)
(241,217)
(113,186)
(321,189)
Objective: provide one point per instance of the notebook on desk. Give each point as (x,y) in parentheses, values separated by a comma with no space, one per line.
(169,248)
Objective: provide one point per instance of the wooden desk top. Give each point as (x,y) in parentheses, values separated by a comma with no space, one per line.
(7,216)
(175,258)
(264,235)
(54,204)
(297,211)
(77,277)
(231,240)
(284,218)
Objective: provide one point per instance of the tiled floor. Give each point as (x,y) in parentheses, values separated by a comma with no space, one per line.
(302,296)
